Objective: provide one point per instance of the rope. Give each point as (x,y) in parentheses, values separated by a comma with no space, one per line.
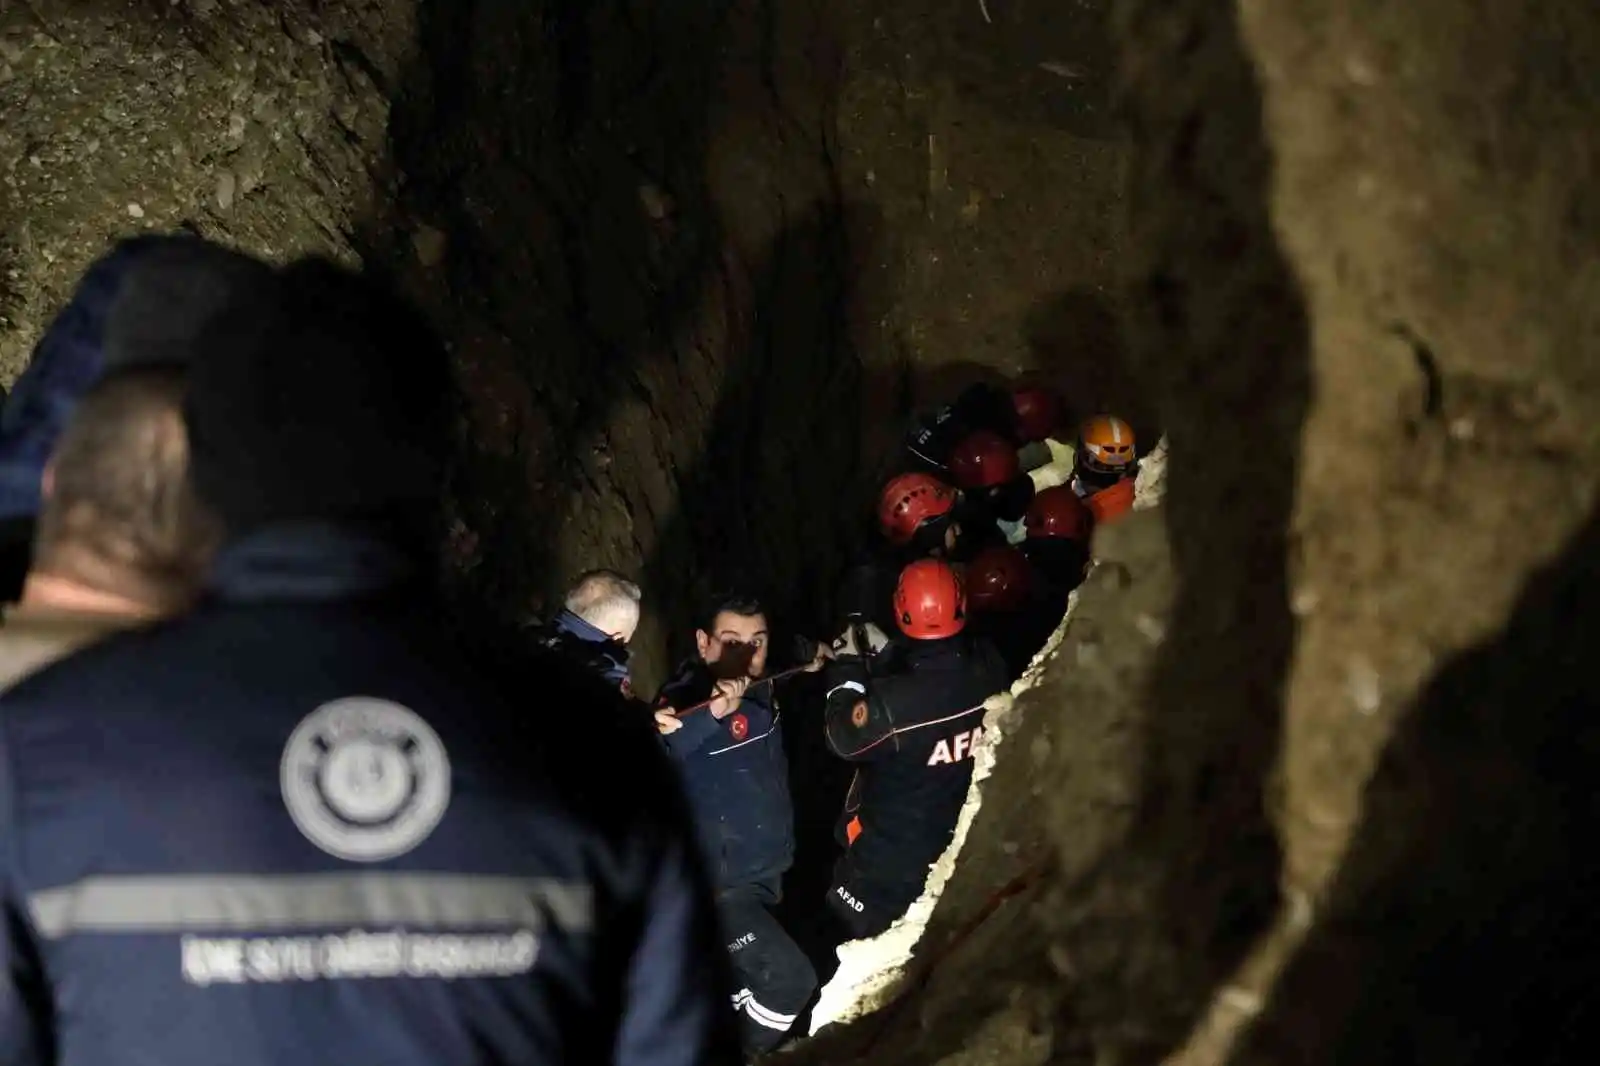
(767,680)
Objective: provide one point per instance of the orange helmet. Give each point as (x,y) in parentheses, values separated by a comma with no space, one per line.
(1058,514)
(999,578)
(1038,413)
(929,601)
(983,459)
(910,500)
(1105,446)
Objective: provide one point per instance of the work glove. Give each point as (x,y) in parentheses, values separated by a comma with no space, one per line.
(847,644)
(810,654)
(1051,474)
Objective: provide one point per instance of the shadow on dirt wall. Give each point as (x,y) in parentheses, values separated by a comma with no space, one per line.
(1462,926)
(766,505)
(1218,324)
(562,153)
(553,156)
(1079,345)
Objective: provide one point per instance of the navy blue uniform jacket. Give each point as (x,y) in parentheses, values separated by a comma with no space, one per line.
(298,828)
(589,646)
(737,776)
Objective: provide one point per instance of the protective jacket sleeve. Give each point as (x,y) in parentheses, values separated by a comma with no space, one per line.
(980,406)
(668,1018)
(698,728)
(857,724)
(24,1013)
(688,688)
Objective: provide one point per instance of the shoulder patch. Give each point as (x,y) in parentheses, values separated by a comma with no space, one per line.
(739,726)
(858,714)
(365,779)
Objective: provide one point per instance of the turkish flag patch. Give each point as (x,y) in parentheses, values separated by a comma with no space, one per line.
(739,726)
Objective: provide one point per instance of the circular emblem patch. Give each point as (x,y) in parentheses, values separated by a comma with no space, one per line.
(858,714)
(739,726)
(365,779)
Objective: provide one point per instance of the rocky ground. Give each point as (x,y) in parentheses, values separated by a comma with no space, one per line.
(263,126)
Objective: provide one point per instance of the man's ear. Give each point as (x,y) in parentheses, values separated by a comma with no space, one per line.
(47,481)
(702,641)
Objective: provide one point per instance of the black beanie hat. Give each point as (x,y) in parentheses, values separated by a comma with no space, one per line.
(168,293)
(321,396)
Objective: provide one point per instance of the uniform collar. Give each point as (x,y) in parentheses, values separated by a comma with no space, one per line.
(309,561)
(572,624)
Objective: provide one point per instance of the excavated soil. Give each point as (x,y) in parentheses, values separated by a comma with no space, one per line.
(1305,779)
(260,125)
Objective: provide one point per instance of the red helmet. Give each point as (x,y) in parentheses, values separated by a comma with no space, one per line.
(982,459)
(910,500)
(1057,512)
(929,601)
(1038,413)
(999,578)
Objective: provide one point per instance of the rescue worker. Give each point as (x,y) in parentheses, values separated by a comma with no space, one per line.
(910,716)
(121,538)
(597,620)
(916,517)
(1022,416)
(999,579)
(1106,467)
(326,830)
(995,493)
(921,516)
(733,764)
(1018,593)
(917,514)
(135,305)
(1004,605)
(1059,528)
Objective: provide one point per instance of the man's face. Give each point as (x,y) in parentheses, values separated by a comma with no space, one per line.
(734,640)
(627,625)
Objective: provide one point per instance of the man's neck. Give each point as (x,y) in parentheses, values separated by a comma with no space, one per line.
(49,592)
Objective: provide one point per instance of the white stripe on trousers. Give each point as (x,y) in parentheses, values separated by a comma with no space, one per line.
(764,1016)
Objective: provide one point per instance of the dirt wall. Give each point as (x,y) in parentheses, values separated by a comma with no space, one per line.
(698,263)
(259,125)
(701,263)
(1316,735)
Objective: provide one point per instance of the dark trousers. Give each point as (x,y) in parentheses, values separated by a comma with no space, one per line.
(772,976)
(866,904)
